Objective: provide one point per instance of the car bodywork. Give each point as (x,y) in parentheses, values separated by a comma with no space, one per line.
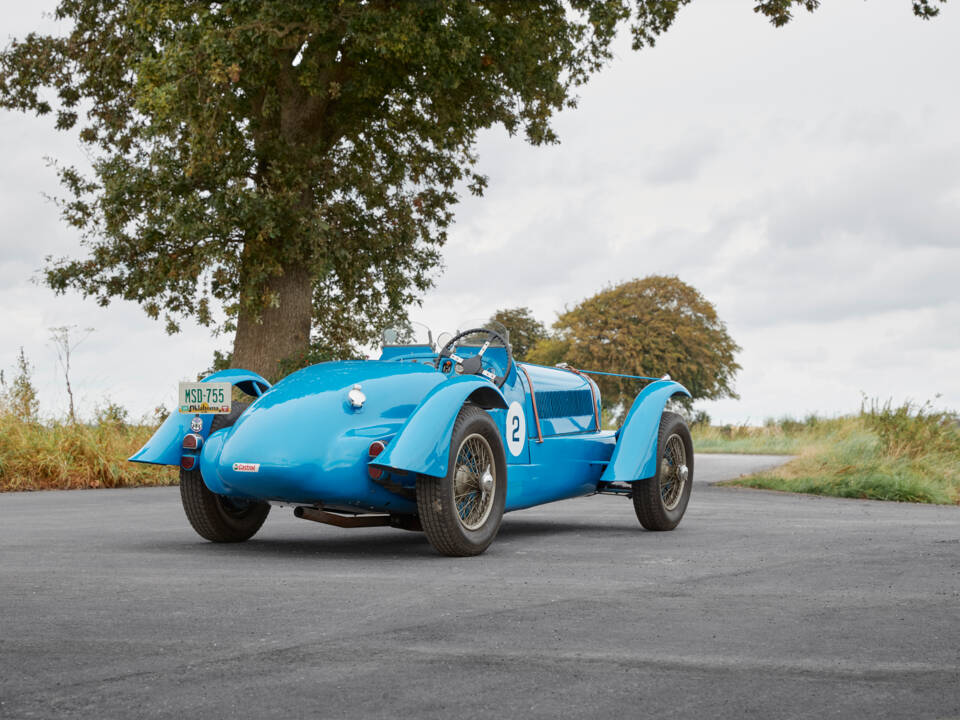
(303,442)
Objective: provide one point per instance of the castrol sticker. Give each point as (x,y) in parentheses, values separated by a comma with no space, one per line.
(246,467)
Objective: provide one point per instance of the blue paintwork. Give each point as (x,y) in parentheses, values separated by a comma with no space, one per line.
(406,352)
(546,380)
(310,446)
(164,447)
(563,466)
(423,443)
(635,456)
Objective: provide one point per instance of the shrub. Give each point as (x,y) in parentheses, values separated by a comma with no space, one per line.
(111,414)
(911,430)
(20,398)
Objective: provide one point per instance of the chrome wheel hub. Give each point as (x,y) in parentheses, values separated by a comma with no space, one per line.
(474,481)
(486,482)
(674,473)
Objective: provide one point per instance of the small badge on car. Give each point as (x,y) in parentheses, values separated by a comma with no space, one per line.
(246,467)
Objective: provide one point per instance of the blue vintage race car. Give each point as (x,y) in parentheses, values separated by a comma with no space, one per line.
(440,440)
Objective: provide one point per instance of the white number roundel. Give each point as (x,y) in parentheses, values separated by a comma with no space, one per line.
(516,429)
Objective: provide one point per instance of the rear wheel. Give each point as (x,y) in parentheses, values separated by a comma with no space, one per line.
(661,501)
(216,517)
(461,512)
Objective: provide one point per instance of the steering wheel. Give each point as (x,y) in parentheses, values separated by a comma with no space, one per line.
(474,365)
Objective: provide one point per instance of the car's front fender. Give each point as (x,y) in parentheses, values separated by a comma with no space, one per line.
(422,445)
(635,456)
(164,447)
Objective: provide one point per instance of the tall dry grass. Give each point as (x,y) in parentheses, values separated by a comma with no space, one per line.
(905,452)
(63,456)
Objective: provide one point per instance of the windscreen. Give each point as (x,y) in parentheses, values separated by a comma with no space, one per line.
(407,334)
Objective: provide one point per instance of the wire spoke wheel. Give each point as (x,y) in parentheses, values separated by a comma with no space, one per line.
(461,512)
(673,474)
(474,481)
(660,501)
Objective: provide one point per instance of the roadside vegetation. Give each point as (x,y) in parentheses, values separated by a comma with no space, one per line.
(67,456)
(908,453)
(65,453)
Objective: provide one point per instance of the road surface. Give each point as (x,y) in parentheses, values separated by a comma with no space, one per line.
(760,605)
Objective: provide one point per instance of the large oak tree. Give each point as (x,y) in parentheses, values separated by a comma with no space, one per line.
(295,164)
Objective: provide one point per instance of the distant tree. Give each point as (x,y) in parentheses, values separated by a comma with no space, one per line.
(20,397)
(525,330)
(296,163)
(551,350)
(649,327)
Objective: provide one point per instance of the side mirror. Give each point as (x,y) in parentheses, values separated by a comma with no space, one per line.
(442,339)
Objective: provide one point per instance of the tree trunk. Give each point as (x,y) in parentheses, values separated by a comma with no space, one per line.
(280,332)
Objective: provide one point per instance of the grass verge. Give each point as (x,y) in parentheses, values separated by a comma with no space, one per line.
(66,456)
(907,453)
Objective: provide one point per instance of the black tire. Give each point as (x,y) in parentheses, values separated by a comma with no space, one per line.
(659,504)
(216,517)
(447,531)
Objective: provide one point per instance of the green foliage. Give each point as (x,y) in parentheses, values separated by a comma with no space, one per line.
(525,330)
(698,417)
(646,327)
(906,453)
(221,361)
(551,350)
(657,16)
(111,414)
(19,399)
(235,144)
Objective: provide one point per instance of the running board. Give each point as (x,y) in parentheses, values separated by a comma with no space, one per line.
(344,521)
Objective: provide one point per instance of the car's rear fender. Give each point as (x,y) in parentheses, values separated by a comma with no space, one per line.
(423,443)
(165,447)
(635,455)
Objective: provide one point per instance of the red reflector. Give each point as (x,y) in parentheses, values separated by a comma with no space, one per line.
(376,447)
(192,442)
(187,462)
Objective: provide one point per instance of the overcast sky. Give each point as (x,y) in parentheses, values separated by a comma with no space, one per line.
(806,180)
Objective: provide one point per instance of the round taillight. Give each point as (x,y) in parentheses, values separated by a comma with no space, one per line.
(187,462)
(376,447)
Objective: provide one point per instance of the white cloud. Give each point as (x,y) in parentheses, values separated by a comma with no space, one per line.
(806,180)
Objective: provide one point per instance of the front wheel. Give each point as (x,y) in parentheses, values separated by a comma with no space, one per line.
(461,512)
(661,501)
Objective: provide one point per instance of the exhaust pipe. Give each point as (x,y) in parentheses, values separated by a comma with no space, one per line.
(344,521)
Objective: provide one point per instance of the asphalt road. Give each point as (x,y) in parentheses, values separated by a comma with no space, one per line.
(760,605)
